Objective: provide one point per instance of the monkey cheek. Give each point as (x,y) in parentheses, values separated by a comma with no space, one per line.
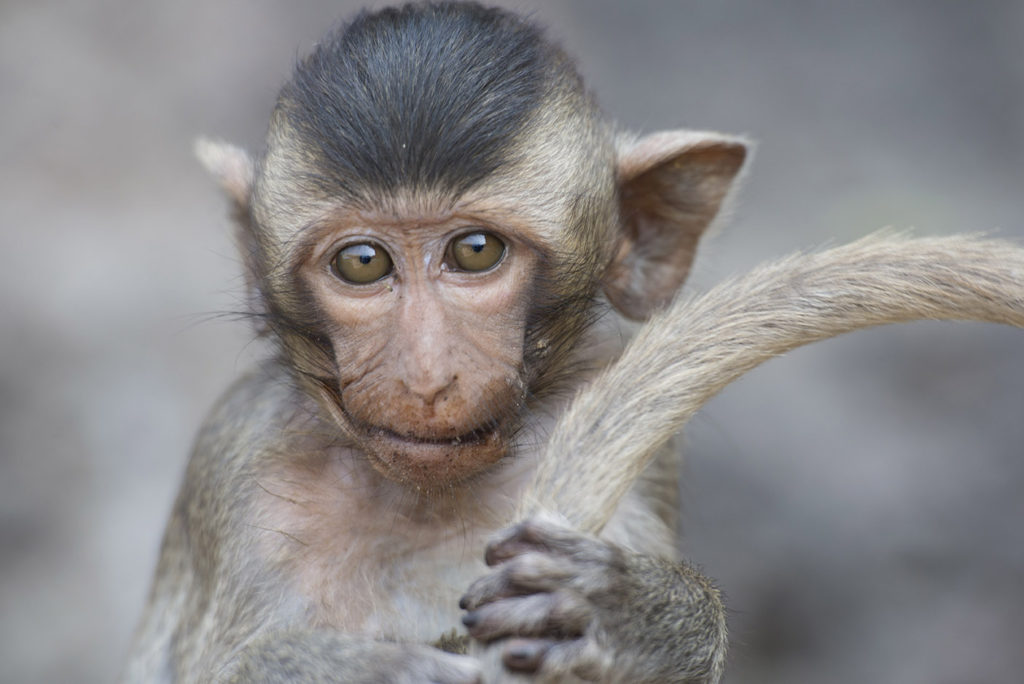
(433,467)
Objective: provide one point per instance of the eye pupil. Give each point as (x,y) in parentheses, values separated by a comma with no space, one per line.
(477,252)
(362,263)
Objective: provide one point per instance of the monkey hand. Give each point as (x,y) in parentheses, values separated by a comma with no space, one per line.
(562,605)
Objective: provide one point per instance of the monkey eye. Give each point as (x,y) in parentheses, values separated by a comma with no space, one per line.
(362,263)
(477,251)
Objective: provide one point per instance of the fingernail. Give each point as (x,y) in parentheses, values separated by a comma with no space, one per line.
(522,656)
(470,620)
(521,653)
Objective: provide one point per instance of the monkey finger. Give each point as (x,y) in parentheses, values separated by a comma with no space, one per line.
(560,615)
(580,658)
(525,655)
(541,532)
(529,573)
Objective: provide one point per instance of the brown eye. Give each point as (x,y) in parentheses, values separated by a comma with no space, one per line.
(362,263)
(477,251)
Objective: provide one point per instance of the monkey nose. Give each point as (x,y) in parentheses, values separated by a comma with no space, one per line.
(432,389)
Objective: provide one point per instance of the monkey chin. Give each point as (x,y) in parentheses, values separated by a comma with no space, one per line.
(433,466)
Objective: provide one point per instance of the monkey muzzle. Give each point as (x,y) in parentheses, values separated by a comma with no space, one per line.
(433,464)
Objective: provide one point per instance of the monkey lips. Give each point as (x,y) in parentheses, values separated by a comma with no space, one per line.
(425,454)
(431,464)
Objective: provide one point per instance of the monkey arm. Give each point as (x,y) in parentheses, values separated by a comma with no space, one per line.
(686,354)
(202,605)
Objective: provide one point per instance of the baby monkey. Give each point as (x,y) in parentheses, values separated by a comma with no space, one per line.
(439,239)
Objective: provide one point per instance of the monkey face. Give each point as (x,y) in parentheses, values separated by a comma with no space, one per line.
(427,264)
(425,315)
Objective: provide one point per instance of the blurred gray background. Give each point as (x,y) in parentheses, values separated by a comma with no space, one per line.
(859,501)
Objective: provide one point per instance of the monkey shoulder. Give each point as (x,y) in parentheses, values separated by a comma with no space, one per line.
(198,585)
(243,428)
(251,416)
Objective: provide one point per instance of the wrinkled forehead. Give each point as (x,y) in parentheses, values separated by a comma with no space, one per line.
(559,167)
(561,172)
(430,109)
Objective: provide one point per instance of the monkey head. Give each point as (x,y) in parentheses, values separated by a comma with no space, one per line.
(439,209)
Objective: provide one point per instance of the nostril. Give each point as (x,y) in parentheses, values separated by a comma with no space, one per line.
(431,391)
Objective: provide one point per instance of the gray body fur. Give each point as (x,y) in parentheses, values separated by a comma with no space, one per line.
(211,617)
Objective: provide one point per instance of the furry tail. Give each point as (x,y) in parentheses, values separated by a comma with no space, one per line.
(686,354)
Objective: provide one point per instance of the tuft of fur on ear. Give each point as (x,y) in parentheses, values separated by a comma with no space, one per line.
(671,187)
(231,166)
(234,171)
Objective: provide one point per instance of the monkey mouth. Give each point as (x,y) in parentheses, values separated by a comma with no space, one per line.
(475,436)
(430,462)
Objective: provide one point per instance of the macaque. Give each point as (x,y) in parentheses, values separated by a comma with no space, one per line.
(446,450)
(438,239)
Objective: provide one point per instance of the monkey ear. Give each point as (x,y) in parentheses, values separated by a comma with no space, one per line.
(234,170)
(671,187)
(231,166)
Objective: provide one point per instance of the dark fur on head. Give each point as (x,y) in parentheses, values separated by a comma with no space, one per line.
(429,98)
(421,96)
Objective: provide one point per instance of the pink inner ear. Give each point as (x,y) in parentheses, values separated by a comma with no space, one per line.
(672,187)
